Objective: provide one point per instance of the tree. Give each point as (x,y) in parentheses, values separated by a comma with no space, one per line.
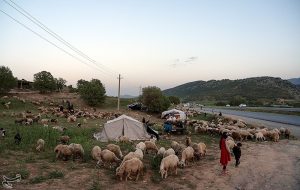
(44,82)
(174,100)
(93,92)
(237,100)
(60,83)
(153,98)
(7,80)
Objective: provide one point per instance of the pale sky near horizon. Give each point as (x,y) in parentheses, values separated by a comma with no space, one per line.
(161,43)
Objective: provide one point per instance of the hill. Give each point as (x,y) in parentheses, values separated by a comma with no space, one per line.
(295,81)
(249,88)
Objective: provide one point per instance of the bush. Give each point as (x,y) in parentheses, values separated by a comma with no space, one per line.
(221,104)
(93,92)
(7,80)
(174,100)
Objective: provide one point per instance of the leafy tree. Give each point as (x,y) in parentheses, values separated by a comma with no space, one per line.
(153,98)
(7,80)
(237,100)
(44,82)
(92,92)
(174,100)
(60,83)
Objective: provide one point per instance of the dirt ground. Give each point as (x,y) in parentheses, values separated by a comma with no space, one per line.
(264,165)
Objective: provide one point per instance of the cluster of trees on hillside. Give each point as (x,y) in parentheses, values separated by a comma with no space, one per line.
(92,92)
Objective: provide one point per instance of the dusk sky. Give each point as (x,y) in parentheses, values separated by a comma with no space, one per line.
(161,43)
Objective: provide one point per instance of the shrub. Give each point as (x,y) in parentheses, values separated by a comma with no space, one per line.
(44,82)
(154,100)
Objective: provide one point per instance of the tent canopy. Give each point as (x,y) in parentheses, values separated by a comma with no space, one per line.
(180,114)
(122,126)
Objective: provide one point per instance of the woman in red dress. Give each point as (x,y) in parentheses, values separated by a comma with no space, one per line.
(225,154)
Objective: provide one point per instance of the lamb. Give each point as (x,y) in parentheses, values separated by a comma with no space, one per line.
(150,146)
(77,150)
(108,156)
(161,151)
(62,151)
(168,163)
(259,136)
(96,153)
(133,165)
(40,145)
(64,139)
(188,141)
(187,154)
(170,151)
(141,145)
(115,149)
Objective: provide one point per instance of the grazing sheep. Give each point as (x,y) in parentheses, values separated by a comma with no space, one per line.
(115,149)
(168,163)
(187,155)
(44,121)
(177,147)
(77,150)
(236,136)
(62,151)
(168,152)
(96,153)
(40,145)
(124,139)
(139,153)
(287,133)
(150,146)
(161,151)
(128,167)
(188,141)
(71,118)
(259,136)
(141,145)
(108,156)
(274,136)
(64,139)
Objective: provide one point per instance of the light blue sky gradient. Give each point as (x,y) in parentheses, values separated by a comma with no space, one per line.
(163,43)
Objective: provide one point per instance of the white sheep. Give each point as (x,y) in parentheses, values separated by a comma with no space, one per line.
(77,150)
(259,136)
(141,145)
(115,149)
(177,147)
(96,153)
(40,145)
(161,151)
(71,118)
(128,167)
(151,146)
(168,152)
(187,155)
(108,156)
(168,163)
(124,139)
(62,151)
(139,153)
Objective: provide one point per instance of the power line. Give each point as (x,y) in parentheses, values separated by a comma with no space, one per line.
(49,41)
(55,35)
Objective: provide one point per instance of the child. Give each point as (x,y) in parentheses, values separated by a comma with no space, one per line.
(237,153)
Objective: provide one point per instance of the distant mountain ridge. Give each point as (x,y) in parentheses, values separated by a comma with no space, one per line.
(250,88)
(295,81)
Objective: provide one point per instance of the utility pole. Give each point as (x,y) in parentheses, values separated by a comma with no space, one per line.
(119,91)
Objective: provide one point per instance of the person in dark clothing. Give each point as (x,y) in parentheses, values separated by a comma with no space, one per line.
(237,153)
(148,129)
(220,114)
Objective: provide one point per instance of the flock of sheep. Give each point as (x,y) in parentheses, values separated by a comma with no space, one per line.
(132,162)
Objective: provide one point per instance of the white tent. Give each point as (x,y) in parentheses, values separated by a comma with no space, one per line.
(122,126)
(180,114)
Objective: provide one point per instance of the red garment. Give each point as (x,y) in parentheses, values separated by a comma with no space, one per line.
(225,155)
